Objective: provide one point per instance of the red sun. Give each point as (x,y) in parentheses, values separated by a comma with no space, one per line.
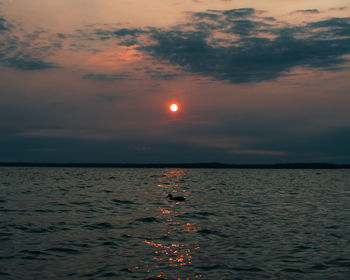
(174,107)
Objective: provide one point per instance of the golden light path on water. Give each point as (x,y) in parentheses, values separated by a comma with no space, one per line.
(173,254)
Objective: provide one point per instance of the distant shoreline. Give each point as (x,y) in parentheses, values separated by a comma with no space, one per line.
(182,165)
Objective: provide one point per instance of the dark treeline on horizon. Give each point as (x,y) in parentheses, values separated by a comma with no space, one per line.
(182,165)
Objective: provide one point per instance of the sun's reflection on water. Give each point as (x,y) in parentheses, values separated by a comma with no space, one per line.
(177,249)
(175,254)
(171,178)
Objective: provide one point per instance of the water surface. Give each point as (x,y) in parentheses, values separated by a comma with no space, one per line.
(86,223)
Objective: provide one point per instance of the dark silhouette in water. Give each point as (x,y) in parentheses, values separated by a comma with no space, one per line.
(176,198)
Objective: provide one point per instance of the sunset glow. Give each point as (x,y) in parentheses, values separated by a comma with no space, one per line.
(147,81)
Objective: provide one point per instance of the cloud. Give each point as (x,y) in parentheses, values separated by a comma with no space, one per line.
(204,15)
(162,74)
(332,27)
(25,62)
(61,35)
(25,51)
(238,45)
(253,60)
(338,9)
(2,24)
(308,11)
(239,13)
(245,27)
(127,32)
(253,50)
(125,36)
(120,32)
(108,77)
(5,26)
(128,42)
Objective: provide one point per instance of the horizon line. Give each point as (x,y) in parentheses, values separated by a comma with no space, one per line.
(295,165)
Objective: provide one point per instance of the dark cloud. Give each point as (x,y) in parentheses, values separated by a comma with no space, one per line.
(253,60)
(153,73)
(126,36)
(239,13)
(269,18)
(161,74)
(108,77)
(245,27)
(61,35)
(121,32)
(164,76)
(25,62)
(128,43)
(338,9)
(4,26)
(333,27)
(251,57)
(128,32)
(25,51)
(309,11)
(332,23)
(204,15)
(239,45)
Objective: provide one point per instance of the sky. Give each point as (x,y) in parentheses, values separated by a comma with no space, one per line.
(256,81)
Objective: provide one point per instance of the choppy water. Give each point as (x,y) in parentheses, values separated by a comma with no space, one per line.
(76,223)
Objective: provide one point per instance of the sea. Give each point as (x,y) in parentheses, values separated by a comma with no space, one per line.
(117,223)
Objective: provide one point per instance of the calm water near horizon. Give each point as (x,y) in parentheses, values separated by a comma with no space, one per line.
(100,223)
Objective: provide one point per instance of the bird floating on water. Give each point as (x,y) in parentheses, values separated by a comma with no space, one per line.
(176,198)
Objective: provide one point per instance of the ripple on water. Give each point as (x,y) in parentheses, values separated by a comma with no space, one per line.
(117,201)
(109,275)
(198,215)
(147,220)
(339,262)
(319,266)
(213,267)
(87,203)
(109,244)
(35,253)
(292,270)
(64,250)
(5,234)
(104,225)
(211,232)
